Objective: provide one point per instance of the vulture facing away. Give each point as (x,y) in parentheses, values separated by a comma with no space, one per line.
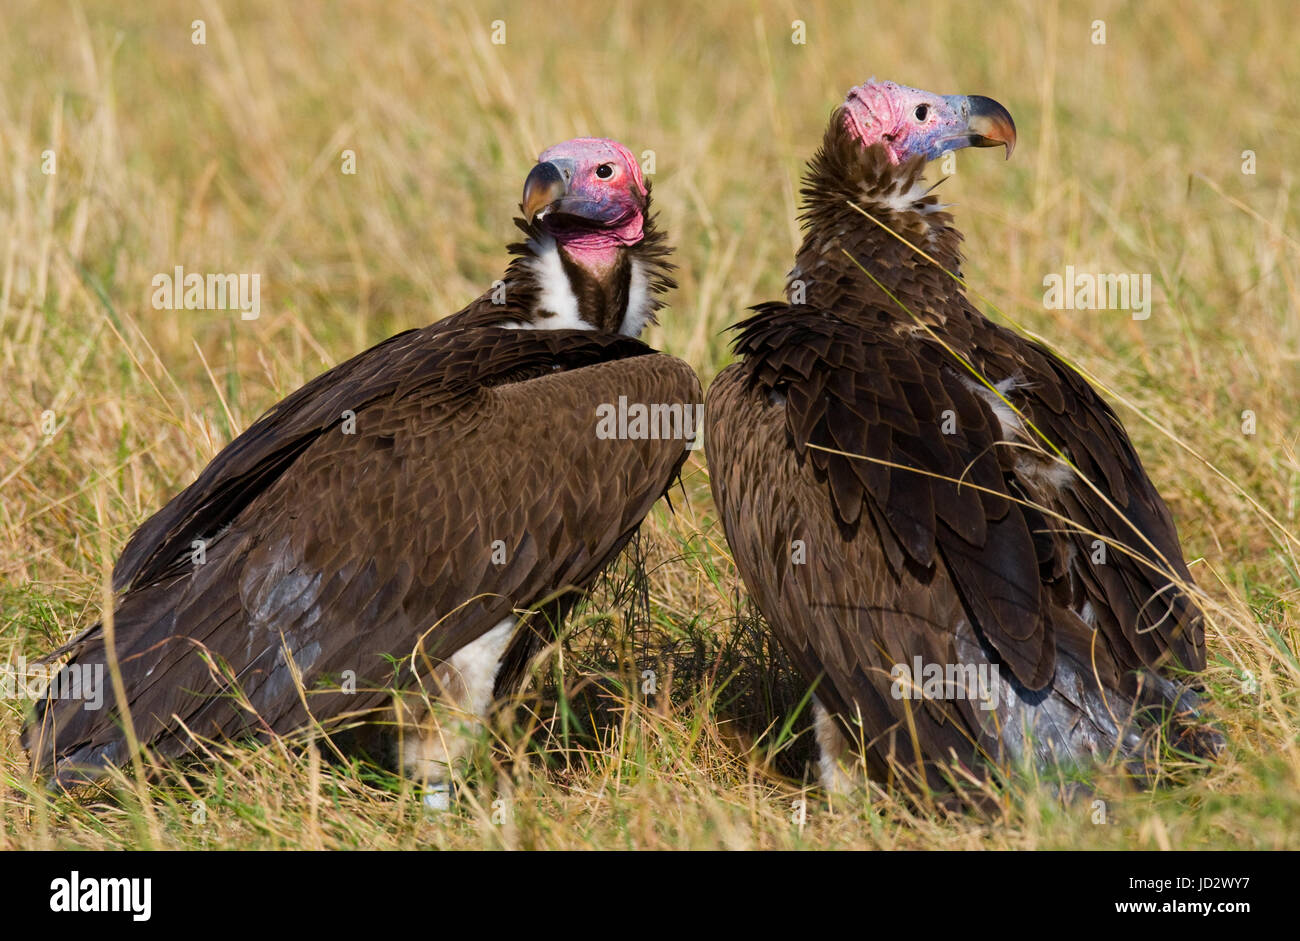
(943,523)
(396,515)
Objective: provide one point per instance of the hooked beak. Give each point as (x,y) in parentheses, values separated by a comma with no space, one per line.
(545,186)
(990,124)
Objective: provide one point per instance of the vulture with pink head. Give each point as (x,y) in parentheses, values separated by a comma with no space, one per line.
(390,524)
(943,523)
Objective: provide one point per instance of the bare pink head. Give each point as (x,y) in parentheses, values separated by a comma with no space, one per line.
(909,121)
(589,195)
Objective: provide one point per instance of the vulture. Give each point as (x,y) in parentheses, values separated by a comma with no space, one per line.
(943,523)
(391,524)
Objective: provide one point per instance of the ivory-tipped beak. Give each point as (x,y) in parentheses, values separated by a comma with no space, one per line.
(990,124)
(544,186)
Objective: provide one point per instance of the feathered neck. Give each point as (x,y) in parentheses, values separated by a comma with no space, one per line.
(546,288)
(843,175)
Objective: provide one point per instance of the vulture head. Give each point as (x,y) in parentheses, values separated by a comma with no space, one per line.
(909,122)
(589,195)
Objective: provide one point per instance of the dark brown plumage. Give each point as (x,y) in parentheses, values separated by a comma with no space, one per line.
(472,485)
(934,521)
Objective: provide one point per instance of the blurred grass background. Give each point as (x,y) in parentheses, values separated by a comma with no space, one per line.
(227,156)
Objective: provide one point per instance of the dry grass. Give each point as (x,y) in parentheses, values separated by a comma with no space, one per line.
(226,157)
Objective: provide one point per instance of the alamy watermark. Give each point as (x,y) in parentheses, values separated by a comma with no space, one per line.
(921,680)
(193,291)
(1084,290)
(78,893)
(657,421)
(84,681)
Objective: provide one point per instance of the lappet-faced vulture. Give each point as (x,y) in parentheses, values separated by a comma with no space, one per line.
(386,524)
(943,523)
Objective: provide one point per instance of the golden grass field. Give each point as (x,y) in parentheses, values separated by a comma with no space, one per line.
(227,157)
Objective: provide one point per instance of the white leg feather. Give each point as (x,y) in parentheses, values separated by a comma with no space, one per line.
(448,731)
(836,763)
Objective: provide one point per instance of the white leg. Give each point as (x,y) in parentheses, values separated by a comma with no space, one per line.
(836,763)
(463,686)
(437,797)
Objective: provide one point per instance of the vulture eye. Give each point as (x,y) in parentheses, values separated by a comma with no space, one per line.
(605,171)
(922,112)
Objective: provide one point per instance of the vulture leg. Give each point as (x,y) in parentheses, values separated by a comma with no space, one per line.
(460,702)
(837,766)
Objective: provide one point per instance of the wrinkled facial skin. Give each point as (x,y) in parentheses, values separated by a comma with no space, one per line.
(589,194)
(909,121)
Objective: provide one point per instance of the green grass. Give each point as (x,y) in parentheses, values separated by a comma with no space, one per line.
(227,156)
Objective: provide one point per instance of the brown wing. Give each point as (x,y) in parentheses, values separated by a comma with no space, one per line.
(860,566)
(435,358)
(840,608)
(1121,550)
(247,465)
(474,484)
